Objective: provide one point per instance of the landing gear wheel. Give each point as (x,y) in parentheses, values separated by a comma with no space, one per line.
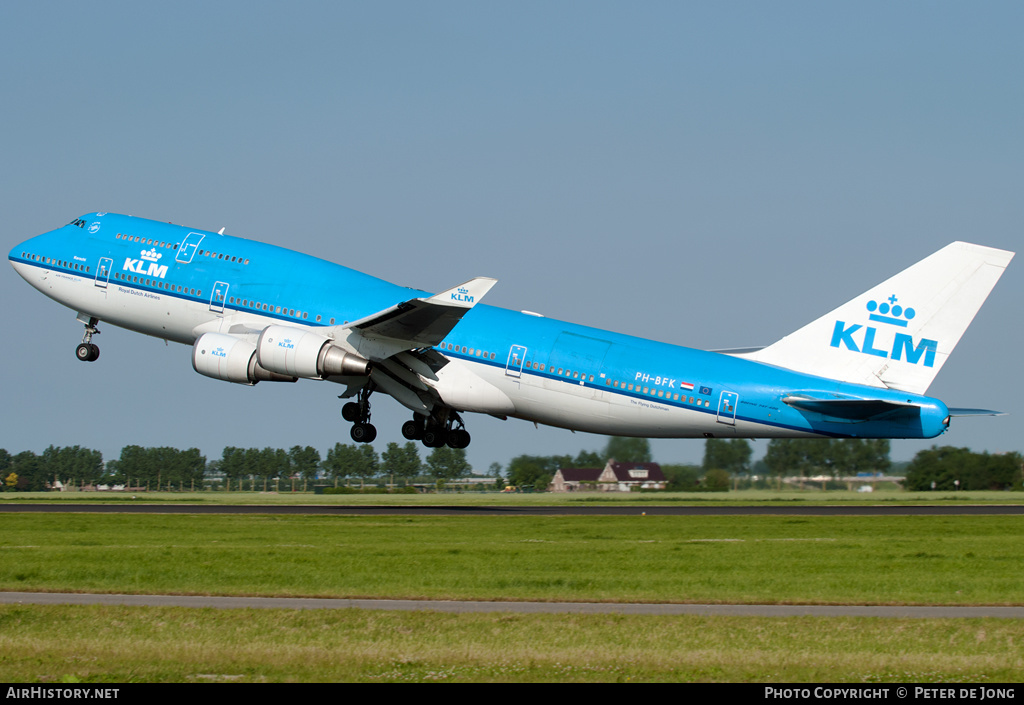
(363,432)
(350,412)
(458,439)
(87,352)
(412,431)
(434,438)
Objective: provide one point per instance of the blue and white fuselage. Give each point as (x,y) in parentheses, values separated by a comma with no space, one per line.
(253,312)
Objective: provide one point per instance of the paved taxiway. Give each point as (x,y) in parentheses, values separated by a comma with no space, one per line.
(297,603)
(507,510)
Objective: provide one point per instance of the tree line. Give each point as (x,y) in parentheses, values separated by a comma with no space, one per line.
(938,468)
(172,468)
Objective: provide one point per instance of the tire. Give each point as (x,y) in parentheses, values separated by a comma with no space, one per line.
(363,433)
(412,431)
(350,412)
(84,352)
(458,439)
(433,439)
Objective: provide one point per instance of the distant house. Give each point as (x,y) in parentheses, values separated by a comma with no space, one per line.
(614,477)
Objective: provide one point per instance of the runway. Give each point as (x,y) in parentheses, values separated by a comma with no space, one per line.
(536,511)
(451,606)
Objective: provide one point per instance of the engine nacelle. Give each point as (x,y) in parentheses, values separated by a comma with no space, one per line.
(302,353)
(231,359)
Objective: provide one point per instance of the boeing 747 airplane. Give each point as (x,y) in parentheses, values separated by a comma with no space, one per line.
(253,313)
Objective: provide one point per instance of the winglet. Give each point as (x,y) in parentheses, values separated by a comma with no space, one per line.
(465,295)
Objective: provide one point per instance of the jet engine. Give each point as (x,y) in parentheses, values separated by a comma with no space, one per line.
(232,360)
(302,353)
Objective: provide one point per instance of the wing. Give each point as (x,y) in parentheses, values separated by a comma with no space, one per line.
(398,339)
(424,322)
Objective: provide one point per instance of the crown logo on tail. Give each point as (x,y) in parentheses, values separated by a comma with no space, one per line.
(890,312)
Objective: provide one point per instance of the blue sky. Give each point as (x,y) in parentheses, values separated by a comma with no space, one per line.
(706,174)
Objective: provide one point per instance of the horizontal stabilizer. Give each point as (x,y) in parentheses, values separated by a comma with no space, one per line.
(976,412)
(848,409)
(738,351)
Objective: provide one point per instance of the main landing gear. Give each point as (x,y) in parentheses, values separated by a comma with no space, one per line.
(444,427)
(359,412)
(88,351)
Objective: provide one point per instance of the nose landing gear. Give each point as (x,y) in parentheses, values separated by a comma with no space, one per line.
(88,351)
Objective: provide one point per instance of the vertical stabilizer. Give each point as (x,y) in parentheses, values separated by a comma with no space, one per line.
(899,333)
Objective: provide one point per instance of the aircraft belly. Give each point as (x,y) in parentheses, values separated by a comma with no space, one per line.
(151,313)
(465,386)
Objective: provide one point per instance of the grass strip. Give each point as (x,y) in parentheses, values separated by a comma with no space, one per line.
(98,644)
(825,560)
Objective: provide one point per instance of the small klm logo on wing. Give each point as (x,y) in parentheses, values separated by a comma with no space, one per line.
(219,352)
(286,343)
(889,313)
(462,294)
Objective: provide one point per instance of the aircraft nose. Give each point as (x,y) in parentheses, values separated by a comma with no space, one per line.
(17,254)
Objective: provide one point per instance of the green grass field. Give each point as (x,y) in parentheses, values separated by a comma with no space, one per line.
(784,559)
(863,560)
(150,644)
